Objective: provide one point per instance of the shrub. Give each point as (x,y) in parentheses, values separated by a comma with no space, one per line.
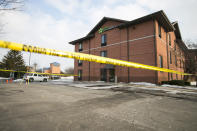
(176,82)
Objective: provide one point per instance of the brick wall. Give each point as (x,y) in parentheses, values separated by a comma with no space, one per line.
(144,46)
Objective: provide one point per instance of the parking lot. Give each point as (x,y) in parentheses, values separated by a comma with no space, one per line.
(59,107)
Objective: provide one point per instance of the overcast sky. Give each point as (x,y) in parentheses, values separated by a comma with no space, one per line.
(53,23)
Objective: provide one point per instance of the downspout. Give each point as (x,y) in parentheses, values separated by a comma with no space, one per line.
(155,46)
(167,55)
(128,53)
(89,61)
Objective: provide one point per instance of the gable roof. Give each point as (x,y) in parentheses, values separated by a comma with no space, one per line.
(96,27)
(160,16)
(102,21)
(177,30)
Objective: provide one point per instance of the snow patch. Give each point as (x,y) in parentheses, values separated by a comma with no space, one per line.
(62,79)
(143,83)
(18,80)
(176,86)
(3,78)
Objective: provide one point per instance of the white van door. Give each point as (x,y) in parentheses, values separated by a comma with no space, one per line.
(35,77)
(40,77)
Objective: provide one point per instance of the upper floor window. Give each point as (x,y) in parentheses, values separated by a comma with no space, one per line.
(161,61)
(169,39)
(175,60)
(180,64)
(170,57)
(103,40)
(104,53)
(80,62)
(159,31)
(80,46)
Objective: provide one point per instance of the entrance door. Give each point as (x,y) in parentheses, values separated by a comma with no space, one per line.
(103,74)
(111,75)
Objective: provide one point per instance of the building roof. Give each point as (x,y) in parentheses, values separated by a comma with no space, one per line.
(177,30)
(193,51)
(160,16)
(55,64)
(96,27)
(102,21)
(81,39)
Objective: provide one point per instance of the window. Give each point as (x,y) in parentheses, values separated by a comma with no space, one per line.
(103,40)
(39,75)
(180,63)
(103,73)
(171,76)
(80,62)
(161,61)
(35,74)
(177,76)
(183,64)
(169,39)
(80,47)
(175,60)
(159,31)
(104,53)
(79,74)
(170,57)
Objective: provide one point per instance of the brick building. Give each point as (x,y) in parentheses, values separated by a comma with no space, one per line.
(151,40)
(191,64)
(53,69)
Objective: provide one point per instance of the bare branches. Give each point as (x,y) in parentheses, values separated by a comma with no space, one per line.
(69,70)
(191,44)
(10,5)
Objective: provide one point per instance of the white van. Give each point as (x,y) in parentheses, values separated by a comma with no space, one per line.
(35,77)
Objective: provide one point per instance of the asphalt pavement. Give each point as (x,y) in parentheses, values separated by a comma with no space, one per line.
(51,107)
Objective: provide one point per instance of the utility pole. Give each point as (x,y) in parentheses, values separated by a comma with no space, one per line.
(29,60)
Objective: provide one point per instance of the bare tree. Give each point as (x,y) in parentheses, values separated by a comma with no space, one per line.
(69,70)
(11,5)
(191,44)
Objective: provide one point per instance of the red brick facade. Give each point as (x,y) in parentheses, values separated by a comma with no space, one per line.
(136,41)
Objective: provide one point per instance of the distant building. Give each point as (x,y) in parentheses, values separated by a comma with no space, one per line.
(46,70)
(191,64)
(30,69)
(53,69)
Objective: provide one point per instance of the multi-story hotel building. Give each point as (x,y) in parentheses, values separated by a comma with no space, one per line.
(151,40)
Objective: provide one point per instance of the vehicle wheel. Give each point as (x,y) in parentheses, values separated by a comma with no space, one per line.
(45,80)
(31,80)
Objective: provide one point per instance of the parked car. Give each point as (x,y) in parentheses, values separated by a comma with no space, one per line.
(35,77)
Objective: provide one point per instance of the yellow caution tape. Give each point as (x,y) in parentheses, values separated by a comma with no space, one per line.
(81,56)
(38,73)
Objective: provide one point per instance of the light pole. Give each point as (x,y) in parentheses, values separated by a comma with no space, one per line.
(29,60)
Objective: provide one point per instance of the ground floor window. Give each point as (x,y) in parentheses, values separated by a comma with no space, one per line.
(103,73)
(171,76)
(80,62)
(161,61)
(79,74)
